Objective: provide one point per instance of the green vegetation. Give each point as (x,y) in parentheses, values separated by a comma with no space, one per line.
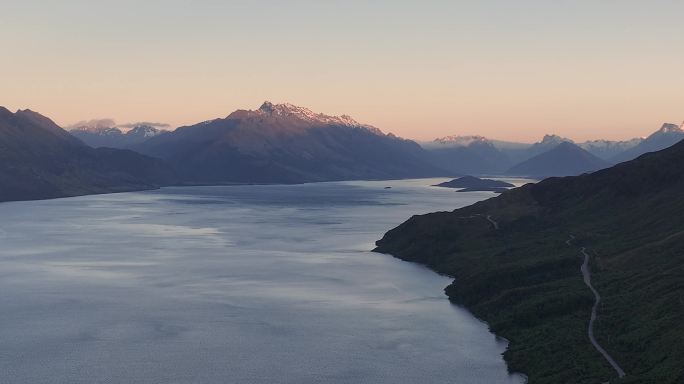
(524,280)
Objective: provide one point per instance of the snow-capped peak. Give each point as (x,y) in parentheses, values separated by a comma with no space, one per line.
(144,130)
(102,131)
(554,139)
(670,128)
(461,141)
(603,143)
(98,126)
(301,113)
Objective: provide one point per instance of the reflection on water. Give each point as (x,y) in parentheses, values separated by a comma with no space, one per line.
(254,284)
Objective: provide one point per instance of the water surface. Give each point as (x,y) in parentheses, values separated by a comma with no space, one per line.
(237,284)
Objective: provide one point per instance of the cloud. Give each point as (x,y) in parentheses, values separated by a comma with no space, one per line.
(94,124)
(133,125)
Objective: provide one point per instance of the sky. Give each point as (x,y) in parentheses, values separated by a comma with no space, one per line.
(511,70)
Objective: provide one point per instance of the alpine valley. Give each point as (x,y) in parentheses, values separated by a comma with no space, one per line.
(276,143)
(515,258)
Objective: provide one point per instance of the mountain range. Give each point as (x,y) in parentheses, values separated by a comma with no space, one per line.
(667,135)
(479,155)
(476,157)
(276,143)
(608,150)
(113,137)
(516,262)
(40,160)
(283,143)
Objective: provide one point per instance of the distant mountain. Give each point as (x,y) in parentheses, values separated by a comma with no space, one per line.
(143,132)
(463,141)
(39,160)
(606,149)
(519,152)
(565,159)
(548,142)
(480,155)
(666,136)
(284,143)
(463,155)
(113,137)
(455,141)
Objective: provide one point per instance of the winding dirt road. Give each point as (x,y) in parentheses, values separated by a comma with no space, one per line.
(569,241)
(586,275)
(494,223)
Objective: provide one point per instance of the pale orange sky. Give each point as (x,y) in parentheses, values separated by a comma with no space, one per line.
(502,69)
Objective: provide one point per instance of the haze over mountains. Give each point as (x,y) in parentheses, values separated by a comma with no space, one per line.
(479,155)
(40,160)
(469,155)
(665,137)
(565,159)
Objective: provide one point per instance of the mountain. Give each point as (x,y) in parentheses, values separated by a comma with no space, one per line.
(519,152)
(607,149)
(455,141)
(143,132)
(516,262)
(666,136)
(565,159)
(284,143)
(467,155)
(548,142)
(113,137)
(480,155)
(463,141)
(39,160)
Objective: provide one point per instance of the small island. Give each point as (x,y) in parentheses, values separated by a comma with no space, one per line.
(475,184)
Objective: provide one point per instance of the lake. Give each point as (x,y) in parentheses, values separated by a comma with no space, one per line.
(233,284)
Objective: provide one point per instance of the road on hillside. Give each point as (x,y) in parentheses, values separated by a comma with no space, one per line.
(494,223)
(586,275)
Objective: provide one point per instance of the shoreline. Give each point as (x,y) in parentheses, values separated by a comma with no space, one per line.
(456,302)
(490,357)
(451,299)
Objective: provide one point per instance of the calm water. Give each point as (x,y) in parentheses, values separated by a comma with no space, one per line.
(243,284)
